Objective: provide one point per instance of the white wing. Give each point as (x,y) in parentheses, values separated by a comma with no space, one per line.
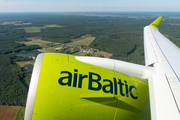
(164,84)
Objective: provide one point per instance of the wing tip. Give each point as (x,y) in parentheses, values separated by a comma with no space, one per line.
(157,22)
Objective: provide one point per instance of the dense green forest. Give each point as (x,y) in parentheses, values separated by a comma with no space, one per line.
(13,89)
(121,35)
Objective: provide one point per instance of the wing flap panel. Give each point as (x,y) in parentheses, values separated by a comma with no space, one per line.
(163,105)
(150,56)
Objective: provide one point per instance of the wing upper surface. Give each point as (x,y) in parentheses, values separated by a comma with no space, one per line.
(164,85)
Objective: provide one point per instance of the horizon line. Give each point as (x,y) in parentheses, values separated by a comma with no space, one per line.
(93,12)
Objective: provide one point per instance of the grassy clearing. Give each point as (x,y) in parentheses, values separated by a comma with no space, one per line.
(32,29)
(12,22)
(166,35)
(24,63)
(82,37)
(44,44)
(86,41)
(20,114)
(38,29)
(50,49)
(36,41)
(47,26)
(15,23)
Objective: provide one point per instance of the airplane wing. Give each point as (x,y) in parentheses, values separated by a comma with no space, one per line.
(77,87)
(164,84)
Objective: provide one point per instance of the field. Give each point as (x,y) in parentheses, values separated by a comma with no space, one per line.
(47,26)
(9,112)
(20,114)
(32,29)
(46,45)
(38,29)
(85,41)
(55,47)
(24,63)
(15,23)
(36,41)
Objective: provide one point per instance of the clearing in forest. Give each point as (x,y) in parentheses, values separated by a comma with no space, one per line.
(54,25)
(85,41)
(47,46)
(24,63)
(36,41)
(32,29)
(38,29)
(15,23)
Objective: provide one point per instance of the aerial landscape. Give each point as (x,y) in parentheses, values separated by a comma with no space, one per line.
(24,36)
(96,28)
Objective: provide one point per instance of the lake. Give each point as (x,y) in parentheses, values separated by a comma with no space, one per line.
(27,54)
(28,67)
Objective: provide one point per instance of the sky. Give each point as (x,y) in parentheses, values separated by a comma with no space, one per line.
(88,5)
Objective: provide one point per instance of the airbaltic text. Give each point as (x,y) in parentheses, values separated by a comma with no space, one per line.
(95,78)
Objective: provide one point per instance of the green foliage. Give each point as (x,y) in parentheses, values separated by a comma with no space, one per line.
(171,28)
(13,90)
(19,58)
(23,40)
(123,37)
(8,37)
(20,114)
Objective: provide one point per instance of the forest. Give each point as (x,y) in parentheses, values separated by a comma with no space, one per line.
(120,35)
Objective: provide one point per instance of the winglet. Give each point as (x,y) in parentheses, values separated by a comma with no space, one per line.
(157,22)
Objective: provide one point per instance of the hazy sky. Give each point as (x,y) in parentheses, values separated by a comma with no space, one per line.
(88,5)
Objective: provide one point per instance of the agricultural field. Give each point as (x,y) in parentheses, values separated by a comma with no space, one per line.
(54,25)
(15,23)
(85,41)
(36,41)
(48,46)
(32,29)
(11,112)
(38,29)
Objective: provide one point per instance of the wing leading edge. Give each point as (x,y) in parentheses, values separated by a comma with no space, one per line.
(164,84)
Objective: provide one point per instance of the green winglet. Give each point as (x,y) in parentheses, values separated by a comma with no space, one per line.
(157,22)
